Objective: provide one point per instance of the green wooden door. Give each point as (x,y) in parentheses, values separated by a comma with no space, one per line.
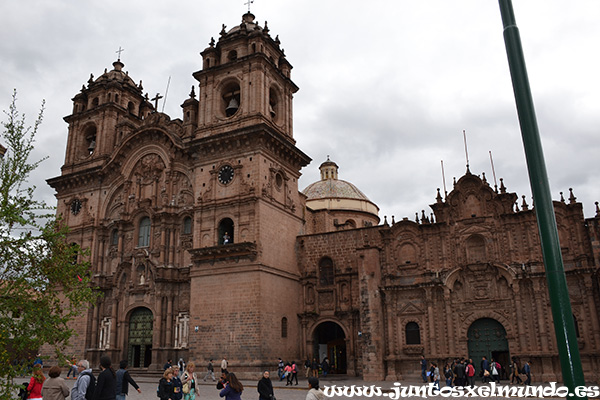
(487,337)
(139,352)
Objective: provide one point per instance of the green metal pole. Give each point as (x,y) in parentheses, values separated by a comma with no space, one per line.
(564,325)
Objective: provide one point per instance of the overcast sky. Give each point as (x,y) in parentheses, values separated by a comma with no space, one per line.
(386,87)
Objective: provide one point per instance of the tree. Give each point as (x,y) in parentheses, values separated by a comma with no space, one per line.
(44,280)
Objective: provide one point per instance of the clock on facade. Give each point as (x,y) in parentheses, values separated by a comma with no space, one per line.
(75,206)
(225,174)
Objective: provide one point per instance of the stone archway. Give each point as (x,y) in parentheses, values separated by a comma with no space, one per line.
(139,346)
(330,341)
(487,337)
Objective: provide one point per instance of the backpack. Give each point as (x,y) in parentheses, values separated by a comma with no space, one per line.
(470,370)
(89,393)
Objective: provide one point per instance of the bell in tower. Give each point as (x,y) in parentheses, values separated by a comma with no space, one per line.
(232,107)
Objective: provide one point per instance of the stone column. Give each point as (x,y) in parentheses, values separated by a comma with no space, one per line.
(592,311)
(450,336)
(94,329)
(371,314)
(156,335)
(169,323)
(538,293)
(519,317)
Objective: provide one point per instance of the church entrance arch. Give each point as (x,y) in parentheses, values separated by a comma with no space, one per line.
(139,347)
(487,337)
(330,342)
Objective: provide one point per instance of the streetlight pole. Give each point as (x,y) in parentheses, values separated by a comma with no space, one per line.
(564,325)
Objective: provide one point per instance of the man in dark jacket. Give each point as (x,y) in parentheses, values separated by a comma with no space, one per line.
(124,380)
(265,387)
(459,373)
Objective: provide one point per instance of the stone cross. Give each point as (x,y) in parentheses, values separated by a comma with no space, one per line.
(119,51)
(248,4)
(155,100)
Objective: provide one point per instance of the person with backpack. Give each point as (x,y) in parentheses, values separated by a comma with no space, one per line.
(495,370)
(85,383)
(124,380)
(106,385)
(294,373)
(470,373)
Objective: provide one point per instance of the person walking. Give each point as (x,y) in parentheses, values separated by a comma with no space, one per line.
(470,373)
(189,381)
(165,385)
(527,372)
(177,385)
(287,374)
(265,387)
(307,367)
(448,374)
(233,388)
(515,368)
(294,373)
(210,371)
(106,386)
(495,370)
(436,376)
(55,388)
(85,380)
(35,383)
(423,369)
(459,373)
(181,365)
(485,370)
(124,380)
(72,368)
(280,366)
(224,365)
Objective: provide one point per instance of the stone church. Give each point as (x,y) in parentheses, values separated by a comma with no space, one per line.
(203,245)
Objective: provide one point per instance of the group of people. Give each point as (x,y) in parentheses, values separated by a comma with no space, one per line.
(109,385)
(288,371)
(461,372)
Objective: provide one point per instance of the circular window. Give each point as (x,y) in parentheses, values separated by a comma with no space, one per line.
(279,180)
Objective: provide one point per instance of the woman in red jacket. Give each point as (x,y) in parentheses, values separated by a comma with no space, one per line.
(36,383)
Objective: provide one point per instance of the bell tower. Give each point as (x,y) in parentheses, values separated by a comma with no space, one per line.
(104,111)
(245,81)
(249,210)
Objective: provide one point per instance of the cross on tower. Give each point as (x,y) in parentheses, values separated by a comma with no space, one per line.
(248,3)
(155,100)
(119,51)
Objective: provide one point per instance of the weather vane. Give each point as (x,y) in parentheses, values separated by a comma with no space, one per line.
(248,3)
(120,51)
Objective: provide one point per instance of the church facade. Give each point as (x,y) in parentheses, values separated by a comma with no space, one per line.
(203,245)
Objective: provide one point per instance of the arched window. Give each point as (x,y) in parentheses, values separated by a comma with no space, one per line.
(326,271)
(144,232)
(225,231)
(284,327)
(413,333)
(576,326)
(187,225)
(475,249)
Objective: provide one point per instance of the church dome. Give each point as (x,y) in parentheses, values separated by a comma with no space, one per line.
(336,194)
(117,76)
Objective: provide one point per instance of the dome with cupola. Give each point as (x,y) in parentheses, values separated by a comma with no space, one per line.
(336,195)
